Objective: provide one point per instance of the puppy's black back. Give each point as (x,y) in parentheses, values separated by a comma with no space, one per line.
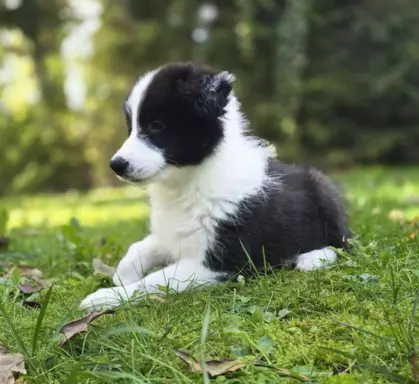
(300,212)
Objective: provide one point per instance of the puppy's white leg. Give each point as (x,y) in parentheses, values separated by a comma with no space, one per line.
(316,259)
(180,276)
(139,259)
(108,297)
(177,277)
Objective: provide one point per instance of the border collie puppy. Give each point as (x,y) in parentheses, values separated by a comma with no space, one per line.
(221,204)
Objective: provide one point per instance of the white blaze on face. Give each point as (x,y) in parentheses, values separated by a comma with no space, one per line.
(144,160)
(137,95)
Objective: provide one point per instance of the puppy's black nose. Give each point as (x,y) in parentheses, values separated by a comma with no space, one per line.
(119,165)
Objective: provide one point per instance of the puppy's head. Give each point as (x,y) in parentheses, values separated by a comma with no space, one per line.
(173,115)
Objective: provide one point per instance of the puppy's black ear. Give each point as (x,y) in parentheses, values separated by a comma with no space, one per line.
(215,92)
(206,93)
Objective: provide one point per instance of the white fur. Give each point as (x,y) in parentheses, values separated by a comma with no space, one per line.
(222,76)
(177,277)
(140,258)
(144,160)
(316,259)
(137,94)
(186,204)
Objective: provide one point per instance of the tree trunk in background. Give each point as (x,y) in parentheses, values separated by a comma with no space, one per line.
(39,21)
(266,18)
(331,82)
(49,121)
(291,60)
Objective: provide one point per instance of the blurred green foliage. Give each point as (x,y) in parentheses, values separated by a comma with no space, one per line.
(330,82)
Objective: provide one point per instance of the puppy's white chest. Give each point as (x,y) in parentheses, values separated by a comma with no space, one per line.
(185,229)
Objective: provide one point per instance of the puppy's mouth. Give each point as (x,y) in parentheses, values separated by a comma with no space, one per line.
(138,180)
(131,179)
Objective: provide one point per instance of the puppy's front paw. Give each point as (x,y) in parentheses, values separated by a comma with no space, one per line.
(104,298)
(129,270)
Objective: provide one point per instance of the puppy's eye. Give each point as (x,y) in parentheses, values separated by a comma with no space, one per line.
(156,126)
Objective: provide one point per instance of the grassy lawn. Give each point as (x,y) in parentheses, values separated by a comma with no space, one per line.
(351,323)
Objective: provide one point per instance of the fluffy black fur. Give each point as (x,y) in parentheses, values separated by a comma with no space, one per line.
(301,213)
(184,102)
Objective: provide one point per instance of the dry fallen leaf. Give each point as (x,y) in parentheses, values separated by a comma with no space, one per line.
(31,279)
(396,215)
(212,367)
(414,365)
(11,366)
(101,268)
(81,325)
(24,271)
(29,286)
(221,367)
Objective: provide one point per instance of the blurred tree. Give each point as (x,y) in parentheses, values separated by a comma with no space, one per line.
(48,153)
(331,82)
(361,86)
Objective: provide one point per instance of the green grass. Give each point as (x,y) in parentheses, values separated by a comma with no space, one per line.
(358,316)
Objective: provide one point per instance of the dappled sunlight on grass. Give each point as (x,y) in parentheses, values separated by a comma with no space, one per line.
(93,208)
(375,185)
(382,189)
